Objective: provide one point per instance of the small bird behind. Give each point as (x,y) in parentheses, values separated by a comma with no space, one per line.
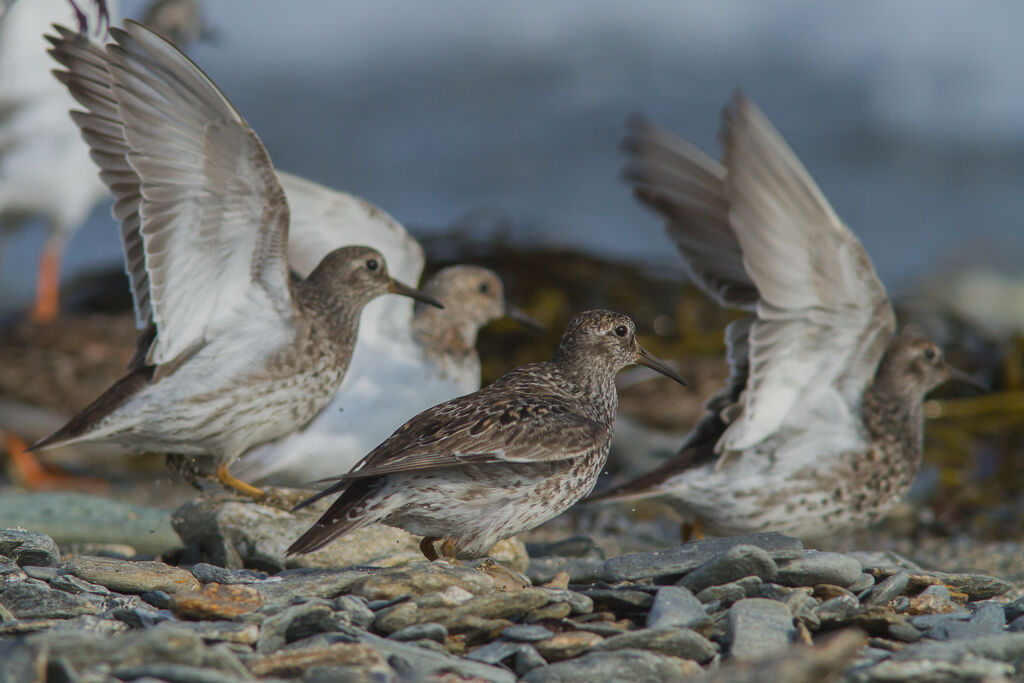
(235,352)
(819,428)
(432,359)
(488,465)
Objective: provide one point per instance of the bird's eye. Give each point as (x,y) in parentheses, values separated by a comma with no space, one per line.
(484,288)
(622,330)
(930,353)
(372,264)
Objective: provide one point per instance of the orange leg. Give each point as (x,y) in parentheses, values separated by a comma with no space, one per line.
(692,532)
(29,473)
(225,477)
(48,282)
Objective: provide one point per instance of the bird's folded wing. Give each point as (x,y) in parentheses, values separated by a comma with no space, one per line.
(823,315)
(213,218)
(461,432)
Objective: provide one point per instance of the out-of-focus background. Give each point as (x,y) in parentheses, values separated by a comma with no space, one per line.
(506,116)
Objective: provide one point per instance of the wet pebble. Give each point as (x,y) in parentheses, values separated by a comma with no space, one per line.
(735,563)
(29,547)
(814,567)
(636,666)
(888,589)
(758,628)
(131,577)
(216,601)
(428,631)
(566,645)
(672,640)
(676,606)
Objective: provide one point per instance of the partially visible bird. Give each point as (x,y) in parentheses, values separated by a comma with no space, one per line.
(236,351)
(45,170)
(486,466)
(435,359)
(819,428)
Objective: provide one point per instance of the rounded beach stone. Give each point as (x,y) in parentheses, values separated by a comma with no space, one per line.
(131,577)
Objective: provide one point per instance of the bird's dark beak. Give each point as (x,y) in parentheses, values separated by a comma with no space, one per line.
(522,318)
(647,359)
(961,377)
(397,287)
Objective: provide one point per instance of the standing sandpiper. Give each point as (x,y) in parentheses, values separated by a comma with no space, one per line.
(236,352)
(819,428)
(486,466)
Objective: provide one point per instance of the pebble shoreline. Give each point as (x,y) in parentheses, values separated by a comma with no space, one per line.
(759,607)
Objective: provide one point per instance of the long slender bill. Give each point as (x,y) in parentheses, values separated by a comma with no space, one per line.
(405,290)
(647,359)
(521,317)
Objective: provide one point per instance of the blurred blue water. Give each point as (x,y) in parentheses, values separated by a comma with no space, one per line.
(908,114)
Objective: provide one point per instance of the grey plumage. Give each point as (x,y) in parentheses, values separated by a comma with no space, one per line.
(488,465)
(819,427)
(235,351)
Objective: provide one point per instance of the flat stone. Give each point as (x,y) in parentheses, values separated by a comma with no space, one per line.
(554,610)
(292,663)
(208,573)
(216,601)
(728,593)
(566,645)
(735,563)
(1014,609)
(311,583)
(575,546)
(232,533)
(580,604)
(896,671)
(928,621)
(526,633)
(620,599)
(31,599)
(636,666)
(76,518)
(888,589)
(176,673)
(759,628)
(932,600)
(157,599)
(353,611)
(416,663)
(1017,625)
(494,606)
(815,567)
(163,644)
(673,640)
(838,610)
(521,656)
(988,618)
(419,579)
(579,569)
(69,583)
(676,606)
(691,555)
(435,632)
(974,586)
(865,582)
(28,547)
(131,577)
(294,623)
(223,631)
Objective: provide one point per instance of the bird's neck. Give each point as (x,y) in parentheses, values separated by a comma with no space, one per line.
(593,385)
(442,338)
(893,415)
(339,319)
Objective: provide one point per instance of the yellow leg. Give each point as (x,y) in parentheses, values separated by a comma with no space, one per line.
(692,532)
(227,479)
(48,283)
(448,551)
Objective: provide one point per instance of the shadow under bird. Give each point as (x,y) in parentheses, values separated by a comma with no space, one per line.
(236,350)
(819,428)
(486,466)
(432,358)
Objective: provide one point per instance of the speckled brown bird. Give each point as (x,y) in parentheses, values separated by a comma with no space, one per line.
(236,351)
(504,459)
(819,428)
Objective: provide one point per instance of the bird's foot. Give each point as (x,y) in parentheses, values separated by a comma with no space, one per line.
(228,480)
(26,471)
(283,498)
(692,531)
